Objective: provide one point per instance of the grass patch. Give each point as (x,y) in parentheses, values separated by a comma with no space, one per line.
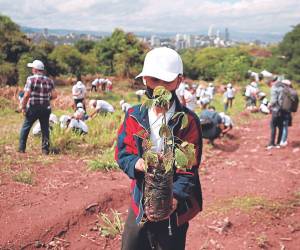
(110,227)
(24,176)
(246,204)
(104,161)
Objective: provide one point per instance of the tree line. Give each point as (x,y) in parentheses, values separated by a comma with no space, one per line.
(122,54)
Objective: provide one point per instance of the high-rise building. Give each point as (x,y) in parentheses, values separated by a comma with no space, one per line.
(227,35)
(154,41)
(211,30)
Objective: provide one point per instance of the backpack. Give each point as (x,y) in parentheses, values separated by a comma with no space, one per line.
(288,100)
(206,123)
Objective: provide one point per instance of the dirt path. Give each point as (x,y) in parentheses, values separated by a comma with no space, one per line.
(251,199)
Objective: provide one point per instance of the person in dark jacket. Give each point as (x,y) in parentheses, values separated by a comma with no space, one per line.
(162,67)
(38,92)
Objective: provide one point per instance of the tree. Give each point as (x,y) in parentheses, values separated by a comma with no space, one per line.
(69,60)
(84,46)
(290,51)
(120,54)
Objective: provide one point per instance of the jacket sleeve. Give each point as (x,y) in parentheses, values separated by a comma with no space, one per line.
(126,153)
(187,182)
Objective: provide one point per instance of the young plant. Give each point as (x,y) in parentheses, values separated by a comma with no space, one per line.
(111,228)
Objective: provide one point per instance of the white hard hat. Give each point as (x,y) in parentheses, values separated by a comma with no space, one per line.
(265,101)
(36,64)
(121,102)
(162,63)
(229,85)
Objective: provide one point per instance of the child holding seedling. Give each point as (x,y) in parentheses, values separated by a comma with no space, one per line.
(160,138)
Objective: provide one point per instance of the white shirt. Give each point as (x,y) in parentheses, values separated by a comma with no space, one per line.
(180,90)
(226,120)
(251,91)
(102,105)
(190,99)
(125,106)
(95,82)
(230,92)
(155,123)
(200,92)
(78,124)
(210,92)
(63,120)
(78,89)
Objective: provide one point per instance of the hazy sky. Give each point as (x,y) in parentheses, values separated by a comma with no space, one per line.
(268,16)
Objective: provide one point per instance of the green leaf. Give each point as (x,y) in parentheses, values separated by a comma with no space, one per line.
(184,121)
(180,159)
(168,161)
(150,158)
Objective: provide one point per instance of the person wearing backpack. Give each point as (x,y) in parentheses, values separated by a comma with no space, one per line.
(289,104)
(277,92)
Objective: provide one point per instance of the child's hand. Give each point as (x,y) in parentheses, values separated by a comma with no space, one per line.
(140,165)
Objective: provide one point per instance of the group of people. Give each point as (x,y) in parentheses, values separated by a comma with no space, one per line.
(162,67)
(104,84)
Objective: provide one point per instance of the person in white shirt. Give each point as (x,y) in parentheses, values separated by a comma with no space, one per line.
(36,130)
(125,106)
(77,124)
(264,106)
(78,92)
(95,85)
(200,92)
(228,96)
(108,85)
(180,91)
(139,93)
(210,91)
(189,97)
(102,83)
(226,124)
(251,94)
(64,121)
(100,106)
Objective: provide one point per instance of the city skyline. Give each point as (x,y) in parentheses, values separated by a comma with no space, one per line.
(259,16)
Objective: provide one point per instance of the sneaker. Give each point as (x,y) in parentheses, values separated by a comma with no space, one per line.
(277,146)
(283,144)
(269,147)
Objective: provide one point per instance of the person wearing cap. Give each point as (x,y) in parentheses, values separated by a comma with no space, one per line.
(210,91)
(78,93)
(162,67)
(277,114)
(264,106)
(251,94)
(76,123)
(100,106)
(227,123)
(125,106)
(228,96)
(80,106)
(38,91)
(95,84)
(189,97)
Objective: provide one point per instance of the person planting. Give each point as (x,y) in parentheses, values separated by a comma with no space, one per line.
(155,141)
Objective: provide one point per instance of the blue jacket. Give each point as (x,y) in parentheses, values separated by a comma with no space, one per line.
(186,184)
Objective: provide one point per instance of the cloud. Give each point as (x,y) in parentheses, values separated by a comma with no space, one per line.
(155,15)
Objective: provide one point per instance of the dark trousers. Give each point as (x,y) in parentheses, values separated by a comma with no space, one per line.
(276,122)
(33,113)
(94,87)
(153,235)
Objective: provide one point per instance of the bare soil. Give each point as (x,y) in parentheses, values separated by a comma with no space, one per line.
(251,198)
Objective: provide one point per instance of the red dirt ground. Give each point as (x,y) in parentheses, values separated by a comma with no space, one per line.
(61,207)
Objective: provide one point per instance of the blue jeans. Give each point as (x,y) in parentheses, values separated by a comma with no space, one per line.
(33,113)
(285,131)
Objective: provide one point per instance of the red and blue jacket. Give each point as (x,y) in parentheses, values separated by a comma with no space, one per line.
(186,184)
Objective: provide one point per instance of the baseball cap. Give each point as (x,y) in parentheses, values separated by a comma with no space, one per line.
(229,85)
(36,64)
(162,63)
(79,105)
